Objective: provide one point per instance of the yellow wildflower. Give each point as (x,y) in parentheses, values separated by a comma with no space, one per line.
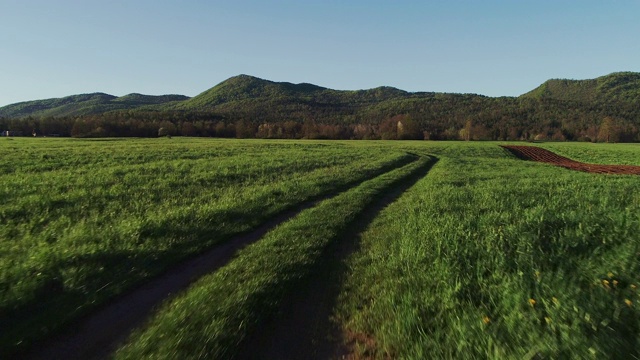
(532,302)
(633,286)
(486,320)
(615,283)
(610,274)
(605,283)
(628,302)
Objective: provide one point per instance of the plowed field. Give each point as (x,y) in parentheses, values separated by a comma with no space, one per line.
(542,155)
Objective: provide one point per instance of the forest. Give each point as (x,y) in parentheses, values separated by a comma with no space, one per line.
(602,109)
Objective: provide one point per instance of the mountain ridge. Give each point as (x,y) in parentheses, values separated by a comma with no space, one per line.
(84,104)
(617,86)
(243,91)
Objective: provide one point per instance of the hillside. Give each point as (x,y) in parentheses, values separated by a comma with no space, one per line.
(244,93)
(245,89)
(84,104)
(621,86)
(246,106)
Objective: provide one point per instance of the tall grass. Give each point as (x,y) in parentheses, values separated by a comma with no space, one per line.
(499,258)
(488,256)
(212,318)
(81,221)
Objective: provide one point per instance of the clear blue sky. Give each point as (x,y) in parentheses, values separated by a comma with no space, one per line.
(58,48)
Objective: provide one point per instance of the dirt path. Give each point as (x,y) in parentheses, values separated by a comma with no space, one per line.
(98,335)
(542,155)
(302,328)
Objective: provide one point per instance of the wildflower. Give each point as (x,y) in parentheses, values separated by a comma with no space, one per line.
(532,302)
(605,283)
(615,283)
(610,274)
(628,302)
(486,320)
(633,286)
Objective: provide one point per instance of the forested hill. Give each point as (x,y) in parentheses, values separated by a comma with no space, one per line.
(84,104)
(246,106)
(243,89)
(622,86)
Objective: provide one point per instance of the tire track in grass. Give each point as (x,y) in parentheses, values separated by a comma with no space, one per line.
(98,335)
(213,318)
(302,327)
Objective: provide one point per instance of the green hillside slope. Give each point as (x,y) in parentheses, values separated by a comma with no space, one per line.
(245,89)
(621,86)
(244,94)
(84,104)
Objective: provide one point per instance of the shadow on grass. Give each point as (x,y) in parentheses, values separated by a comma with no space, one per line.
(85,332)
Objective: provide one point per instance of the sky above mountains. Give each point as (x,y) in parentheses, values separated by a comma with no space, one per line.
(496,48)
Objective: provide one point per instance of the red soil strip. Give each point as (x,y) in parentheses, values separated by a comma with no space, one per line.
(542,155)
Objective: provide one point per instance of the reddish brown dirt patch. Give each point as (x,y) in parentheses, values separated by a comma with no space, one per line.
(542,155)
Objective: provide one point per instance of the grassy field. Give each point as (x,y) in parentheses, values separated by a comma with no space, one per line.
(81,221)
(492,257)
(616,154)
(263,274)
(486,256)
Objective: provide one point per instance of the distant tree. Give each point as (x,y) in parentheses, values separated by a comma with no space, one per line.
(310,129)
(188,129)
(465,133)
(230,130)
(220,129)
(363,132)
(449,134)
(628,133)
(244,130)
(81,128)
(558,136)
(264,131)
(480,132)
(292,130)
(166,128)
(590,133)
(568,133)
(388,129)
(408,128)
(608,130)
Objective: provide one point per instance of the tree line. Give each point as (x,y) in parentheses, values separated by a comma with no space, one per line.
(443,117)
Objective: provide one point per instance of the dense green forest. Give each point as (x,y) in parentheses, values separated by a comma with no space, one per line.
(602,109)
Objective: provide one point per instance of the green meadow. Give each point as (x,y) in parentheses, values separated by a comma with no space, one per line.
(493,257)
(485,256)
